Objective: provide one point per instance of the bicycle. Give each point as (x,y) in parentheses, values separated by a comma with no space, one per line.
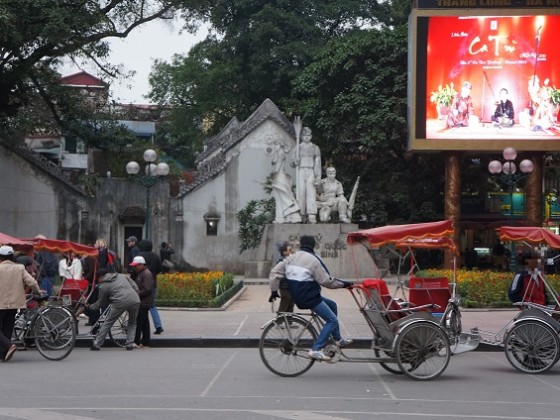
(49,328)
(118,331)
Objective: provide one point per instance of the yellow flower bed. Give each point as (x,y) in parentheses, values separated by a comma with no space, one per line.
(192,286)
(483,289)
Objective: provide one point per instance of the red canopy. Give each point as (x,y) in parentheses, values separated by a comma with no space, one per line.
(443,242)
(55,245)
(8,240)
(392,234)
(532,235)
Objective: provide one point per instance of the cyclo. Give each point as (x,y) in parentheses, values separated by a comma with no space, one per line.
(407,338)
(530,340)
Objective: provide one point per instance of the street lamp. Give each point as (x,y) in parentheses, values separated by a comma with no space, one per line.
(154,172)
(509,176)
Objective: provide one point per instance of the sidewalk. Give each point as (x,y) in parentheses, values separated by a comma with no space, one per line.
(238,323)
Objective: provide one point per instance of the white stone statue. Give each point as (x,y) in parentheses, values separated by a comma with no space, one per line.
(307,160)
(287,209)
(331,198)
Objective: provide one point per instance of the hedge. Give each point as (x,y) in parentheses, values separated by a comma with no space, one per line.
(196,290)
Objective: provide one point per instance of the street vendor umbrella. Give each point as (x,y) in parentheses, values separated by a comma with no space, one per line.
(56,245)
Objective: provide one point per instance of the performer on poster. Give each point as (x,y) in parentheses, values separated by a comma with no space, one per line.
(461,112)
(504,113)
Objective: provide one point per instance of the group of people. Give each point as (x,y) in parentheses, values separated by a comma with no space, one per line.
(133,292)
(313,194)
(538,116)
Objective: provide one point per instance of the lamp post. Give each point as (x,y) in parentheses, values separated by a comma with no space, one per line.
(153,173)
(509,176)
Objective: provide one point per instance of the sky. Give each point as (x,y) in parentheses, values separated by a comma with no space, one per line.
(154,40)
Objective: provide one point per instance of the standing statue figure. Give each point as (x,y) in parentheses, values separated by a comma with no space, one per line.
(331,197)
(287,209)
(307,158)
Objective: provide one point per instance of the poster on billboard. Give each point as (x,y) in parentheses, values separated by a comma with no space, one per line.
(485,80)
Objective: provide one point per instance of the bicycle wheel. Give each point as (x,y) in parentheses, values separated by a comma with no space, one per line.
(422,350)
(532,346)
(117,333)
(389,367)
(55,333)
(284,346)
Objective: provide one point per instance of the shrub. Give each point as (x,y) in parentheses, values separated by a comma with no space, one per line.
(194,289)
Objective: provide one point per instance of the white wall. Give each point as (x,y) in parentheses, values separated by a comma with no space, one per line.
(28,204)
(249,165)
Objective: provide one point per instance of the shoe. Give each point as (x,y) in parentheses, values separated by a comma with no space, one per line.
(79,311)
(343,342)
(158,331)
(135,346)
(94,348)
(89,324)
(10,353)
(318,355)
(129,348)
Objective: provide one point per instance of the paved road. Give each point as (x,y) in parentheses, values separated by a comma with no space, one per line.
(239,323)
(232,383)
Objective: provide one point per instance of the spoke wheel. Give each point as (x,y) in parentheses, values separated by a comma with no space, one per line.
(532,346)
(422,350)
(117,333)
(284,346)
(389,367)
(55,333)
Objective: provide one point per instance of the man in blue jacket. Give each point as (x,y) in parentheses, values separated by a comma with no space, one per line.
(306,273)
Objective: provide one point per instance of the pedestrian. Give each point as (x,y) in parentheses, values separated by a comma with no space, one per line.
(122,294)
(145,282)
(154,265)
(165,255)
(306,273)
(47,264)
(133,250)
(14,278)
(286,301)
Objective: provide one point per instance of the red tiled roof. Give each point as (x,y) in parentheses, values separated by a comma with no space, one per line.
(83,78)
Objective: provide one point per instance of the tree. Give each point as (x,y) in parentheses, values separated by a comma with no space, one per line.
(355,95)
(36,34)
(254,51)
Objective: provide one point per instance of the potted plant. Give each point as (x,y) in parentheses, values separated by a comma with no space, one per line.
(443,97)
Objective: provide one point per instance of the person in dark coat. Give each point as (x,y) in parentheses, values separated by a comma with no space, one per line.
(145,282)
(154,265)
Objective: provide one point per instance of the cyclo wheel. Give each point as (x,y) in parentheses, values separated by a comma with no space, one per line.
(117,333)
(452,320)
(532,346)
(422,350)
(54,332)
(283,346)
(389,367)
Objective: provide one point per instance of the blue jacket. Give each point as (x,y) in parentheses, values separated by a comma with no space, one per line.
(305,274)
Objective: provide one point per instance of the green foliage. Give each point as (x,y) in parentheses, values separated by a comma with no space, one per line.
(37,34)
(252,220)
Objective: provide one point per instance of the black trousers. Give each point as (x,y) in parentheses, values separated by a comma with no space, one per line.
(7,322)
(143,327)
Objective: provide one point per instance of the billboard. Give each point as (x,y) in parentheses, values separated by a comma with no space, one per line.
(484,79)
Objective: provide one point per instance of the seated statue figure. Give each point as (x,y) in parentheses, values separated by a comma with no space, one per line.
(331,198)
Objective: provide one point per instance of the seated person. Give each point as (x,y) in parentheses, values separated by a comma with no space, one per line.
(528,286)
(503,115)
(461,111)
